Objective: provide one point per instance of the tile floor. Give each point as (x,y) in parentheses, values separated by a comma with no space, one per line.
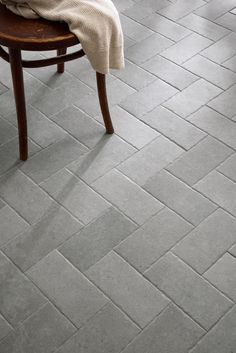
(126,243)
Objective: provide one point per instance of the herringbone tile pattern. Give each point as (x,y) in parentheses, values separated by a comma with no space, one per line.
(126,243)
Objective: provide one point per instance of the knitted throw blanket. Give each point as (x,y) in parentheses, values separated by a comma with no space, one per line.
(96,23)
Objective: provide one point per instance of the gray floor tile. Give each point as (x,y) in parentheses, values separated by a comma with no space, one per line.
(153,239)
(199,160)
(148,98)
(79,199)
(171,73)
(233,250)
(172,331)
(222,50)
(231,63)
(225,102)
(43,332)
(227,20)
(221,339)
(69,290)
(127,288)
(30,201)
(223,275)
(228,168)
(219,189)
(97,239)
(29,247)
(108,331)
(210,240)
(186,48)
(133,29)
(11,224)
(7,132)
(197,94)
(52,159)
(153,158)
(108,153)
(175,128)
(127,196)
(5,327)
(211,72)
(19,298)
(216,125)
(142,9)
(180,8)
(215,9)
(191,292)
(179,197)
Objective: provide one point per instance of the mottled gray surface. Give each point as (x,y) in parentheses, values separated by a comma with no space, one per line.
(125,243)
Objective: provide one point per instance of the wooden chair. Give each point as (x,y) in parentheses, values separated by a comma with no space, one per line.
(17,33)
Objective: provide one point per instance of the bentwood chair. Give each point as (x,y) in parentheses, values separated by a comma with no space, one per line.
(18,33)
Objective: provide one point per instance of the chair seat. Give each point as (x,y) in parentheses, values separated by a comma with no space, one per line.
(18,32)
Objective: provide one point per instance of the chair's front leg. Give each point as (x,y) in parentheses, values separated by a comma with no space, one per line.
(18,85)
(61,67)
(102,94)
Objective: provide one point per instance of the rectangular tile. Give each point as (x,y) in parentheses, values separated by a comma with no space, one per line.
(179,197)
(133,29)
(225,103)
(210,240)
(52,230)
(180,8)
(69,290)
(147,244)
(222,50)
(190,291)
(215,9)
(199,160)
(7,132)
(219,189)
(198,94)
(127,288)
(227,20)
(153,158)
(138,205)
(228,168)
(5,327)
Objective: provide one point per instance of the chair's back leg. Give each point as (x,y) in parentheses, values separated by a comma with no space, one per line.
(102,94)
(61,67)
(18,85)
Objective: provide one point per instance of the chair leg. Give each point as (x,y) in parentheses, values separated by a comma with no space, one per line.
(18,85)
(102,94)
(61,67)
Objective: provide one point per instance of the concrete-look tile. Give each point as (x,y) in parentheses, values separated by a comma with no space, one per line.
(127,288)
(210,71)
(2,204)
(80,125)
(69,290)
(175,128)
(127,196)
(216,125)
(130,128)
(3,88)
(171,73)
(222,50)
(50,160)
(134,76)
(206,243)
(204,27)
(164,26)
(11,224)
(223,275)
(228,168)
(231,63)
(121,5)
(190,291)
(153,239)
(215,9)
(181,198)
(219,189)
(147,48)
(180,8)
(153,4)
(221,339)
(97,239)
(108,331)
(172,331)
(225,103)
(199,160)
(27,198)
(192,98)
(19,298)
(233,250)
(227,20)
(138,11)
(5,327)
(153,158)
(110,152)
(148,98)
(186,48)
(133,29)
(43,332)
(50,232)
(7,132)
(82,201)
